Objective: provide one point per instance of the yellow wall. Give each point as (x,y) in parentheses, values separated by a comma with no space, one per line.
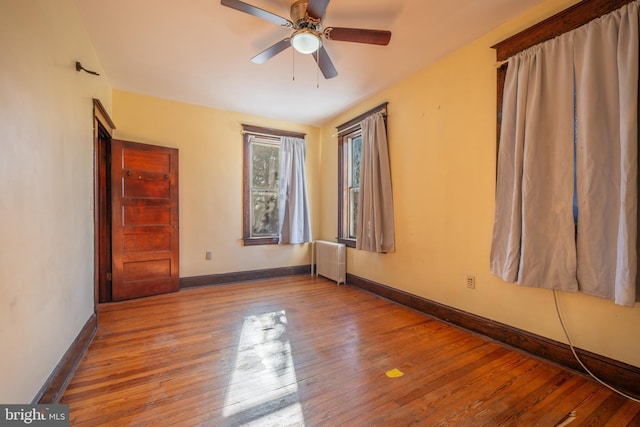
(443,158)
(46,189)
(210,152)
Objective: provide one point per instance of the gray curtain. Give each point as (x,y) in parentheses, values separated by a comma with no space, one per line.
(533,235)
(295,223)
(375,229)
(606,69)
(582,87)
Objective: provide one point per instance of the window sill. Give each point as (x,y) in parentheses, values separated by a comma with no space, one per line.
(256,241)
(351,243)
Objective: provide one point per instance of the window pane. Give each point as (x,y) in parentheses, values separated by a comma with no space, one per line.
(265,213)
(356,155)
(350,182)
(265,161)
(353,211)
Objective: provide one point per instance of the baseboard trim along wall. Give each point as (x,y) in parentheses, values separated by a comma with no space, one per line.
(618,374)
(243,276)
(53,389)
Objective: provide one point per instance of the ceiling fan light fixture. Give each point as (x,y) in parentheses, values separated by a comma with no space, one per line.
(306,41)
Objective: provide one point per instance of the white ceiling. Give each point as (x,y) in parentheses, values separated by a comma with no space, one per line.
(198,51)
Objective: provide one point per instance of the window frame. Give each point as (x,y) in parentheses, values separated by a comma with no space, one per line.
(263,133)
(344,224)
(346,131)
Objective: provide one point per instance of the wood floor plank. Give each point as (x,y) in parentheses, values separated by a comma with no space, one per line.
(303,351)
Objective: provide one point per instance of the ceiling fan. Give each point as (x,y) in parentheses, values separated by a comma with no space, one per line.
(306,21)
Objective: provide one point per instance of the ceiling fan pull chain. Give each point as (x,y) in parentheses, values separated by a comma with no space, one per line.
(293,64)
(317,70)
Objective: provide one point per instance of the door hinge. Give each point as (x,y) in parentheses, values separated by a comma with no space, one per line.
(109,277)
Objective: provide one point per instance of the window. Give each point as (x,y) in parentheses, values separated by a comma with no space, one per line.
(349,159)
(265,159)
(352,150)
(261,184)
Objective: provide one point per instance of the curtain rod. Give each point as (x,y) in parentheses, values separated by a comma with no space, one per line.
(500,63)
(273,137)
(244,132)
(383,111)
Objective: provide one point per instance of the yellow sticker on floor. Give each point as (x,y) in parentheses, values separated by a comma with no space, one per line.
(394,373)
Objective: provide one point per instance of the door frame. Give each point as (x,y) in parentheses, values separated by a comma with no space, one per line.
(103,128)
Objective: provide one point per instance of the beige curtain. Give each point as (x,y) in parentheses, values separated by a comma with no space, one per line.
(375,229)
(580,88)
(606,69)
(533,235)
(294,216)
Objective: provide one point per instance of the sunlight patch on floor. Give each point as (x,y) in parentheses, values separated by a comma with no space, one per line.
(263,386)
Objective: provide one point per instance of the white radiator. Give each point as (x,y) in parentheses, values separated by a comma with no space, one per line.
(330,260)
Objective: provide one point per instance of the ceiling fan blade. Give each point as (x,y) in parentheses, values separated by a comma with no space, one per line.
(324,63)
(316,8)
(256,11)
(271,51)
(358,35)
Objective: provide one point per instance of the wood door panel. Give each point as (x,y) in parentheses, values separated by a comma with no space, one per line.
(154,242)
(145,185)
(144,270)
(141,159)
(151,287)
(145,215)
(145,220)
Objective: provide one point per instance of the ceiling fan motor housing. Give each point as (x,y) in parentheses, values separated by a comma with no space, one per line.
(300,18)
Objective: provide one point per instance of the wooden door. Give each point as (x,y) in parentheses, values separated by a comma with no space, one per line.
(144,226)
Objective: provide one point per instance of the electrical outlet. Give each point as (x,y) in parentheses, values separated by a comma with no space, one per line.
(471,282)
(208,255)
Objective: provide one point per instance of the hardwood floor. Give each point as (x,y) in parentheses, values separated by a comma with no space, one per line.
(302,351)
